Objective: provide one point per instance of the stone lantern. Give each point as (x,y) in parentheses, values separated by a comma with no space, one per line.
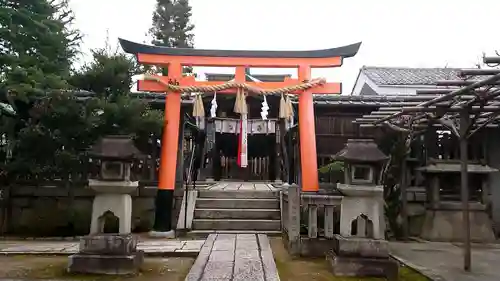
(115,253)
(363,194)
(361,249)
(113,185)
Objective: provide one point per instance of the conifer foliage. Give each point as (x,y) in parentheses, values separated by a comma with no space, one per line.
(171,24)
(37,46)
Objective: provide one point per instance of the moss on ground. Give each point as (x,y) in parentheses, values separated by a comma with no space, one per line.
(295,269)
(54,267)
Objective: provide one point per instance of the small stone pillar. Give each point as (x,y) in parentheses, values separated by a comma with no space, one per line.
(114,253)
(361,249)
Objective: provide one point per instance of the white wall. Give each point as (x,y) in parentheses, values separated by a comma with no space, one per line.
(403,90)
(360,82)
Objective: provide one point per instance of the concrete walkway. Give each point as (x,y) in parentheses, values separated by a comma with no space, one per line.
(164,248)
(444,261)
(235,257)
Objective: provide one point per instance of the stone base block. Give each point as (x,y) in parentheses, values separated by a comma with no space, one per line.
(360,247)
(108,244)
(363,267)
(159,234)
(108,265)
(447,226)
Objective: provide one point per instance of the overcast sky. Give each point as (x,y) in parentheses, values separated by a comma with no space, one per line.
(406,33)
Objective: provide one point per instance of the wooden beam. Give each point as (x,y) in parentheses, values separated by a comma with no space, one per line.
(451,109)
(478,71)
(449,96)
(461,83)
(463,90)
(154,59)
(464,187)
(492,60)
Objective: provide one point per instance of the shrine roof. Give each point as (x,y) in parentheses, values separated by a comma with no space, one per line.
(137,48)
(411,76)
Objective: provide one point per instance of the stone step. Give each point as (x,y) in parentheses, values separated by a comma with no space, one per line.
(205,233)
(238,194)
(270,214)
(236,224)
(227,203)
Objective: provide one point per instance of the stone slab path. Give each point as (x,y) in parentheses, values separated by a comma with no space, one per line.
(444,261)
(235,257)
(171,248)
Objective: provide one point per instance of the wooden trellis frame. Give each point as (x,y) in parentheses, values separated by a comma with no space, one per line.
(464,108)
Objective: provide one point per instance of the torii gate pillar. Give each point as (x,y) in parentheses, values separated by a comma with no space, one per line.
(307,135)
(168,159)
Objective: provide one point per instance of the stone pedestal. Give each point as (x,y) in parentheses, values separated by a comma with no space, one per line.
(366,200)
(361,257)
(114,197)
(443,222)
(107,254)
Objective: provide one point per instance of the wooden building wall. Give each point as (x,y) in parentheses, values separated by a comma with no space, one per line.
(334,126)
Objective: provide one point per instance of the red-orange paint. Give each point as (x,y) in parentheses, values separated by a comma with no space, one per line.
(170,138)
(240,74)
(232,61)
(307,135)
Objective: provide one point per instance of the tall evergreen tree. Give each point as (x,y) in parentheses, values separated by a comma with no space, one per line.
(37,46)
(171,24)
(183,27)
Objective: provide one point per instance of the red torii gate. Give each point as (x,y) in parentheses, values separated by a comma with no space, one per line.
(175,58)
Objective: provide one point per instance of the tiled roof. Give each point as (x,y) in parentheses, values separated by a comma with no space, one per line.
(409,76)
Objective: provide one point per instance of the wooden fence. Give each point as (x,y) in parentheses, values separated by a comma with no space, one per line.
(302,232)
(258,169)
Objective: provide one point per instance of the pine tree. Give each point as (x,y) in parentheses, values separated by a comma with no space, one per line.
(108,74)
(162,24)
(171,24)
(182,27)
(37,46)
(172,27)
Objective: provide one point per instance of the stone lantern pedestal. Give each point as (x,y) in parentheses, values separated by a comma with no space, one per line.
(112,197)
(361,249)
(110,253)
